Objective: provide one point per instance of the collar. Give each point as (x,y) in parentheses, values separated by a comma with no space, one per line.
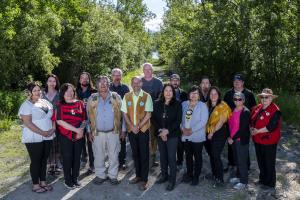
(141,94)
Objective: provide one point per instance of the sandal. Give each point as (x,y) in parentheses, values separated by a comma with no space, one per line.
(39,190)
(47,187)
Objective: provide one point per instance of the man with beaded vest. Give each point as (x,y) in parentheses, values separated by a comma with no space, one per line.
(137,107)
(265,130)
(105,116)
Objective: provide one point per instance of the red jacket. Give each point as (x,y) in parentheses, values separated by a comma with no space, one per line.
(262,121)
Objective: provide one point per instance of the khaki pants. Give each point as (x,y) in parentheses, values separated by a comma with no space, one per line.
(153,141)
(106,144)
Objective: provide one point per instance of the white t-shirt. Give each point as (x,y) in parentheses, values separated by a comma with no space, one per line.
(41,113)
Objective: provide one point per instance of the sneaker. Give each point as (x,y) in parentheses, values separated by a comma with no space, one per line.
(234,180)
(70,186)
(239,186)
(77,184)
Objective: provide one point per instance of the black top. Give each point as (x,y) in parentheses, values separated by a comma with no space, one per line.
(167,116)
(86,94)
(121,89)
(250,101)
(244,129)
(181,95)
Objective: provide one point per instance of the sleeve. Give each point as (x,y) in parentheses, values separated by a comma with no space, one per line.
(183,106)
(149,104)
(25,109)
(126,89)
(154,117)
(124,107)
(244,125)
(274,121)
(88,122)
(176,124)
(203,115)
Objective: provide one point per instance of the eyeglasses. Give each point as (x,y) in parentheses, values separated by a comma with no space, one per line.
(236,99)
(264,97)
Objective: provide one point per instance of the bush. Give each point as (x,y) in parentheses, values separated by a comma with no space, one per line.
(5,124)
(9,104)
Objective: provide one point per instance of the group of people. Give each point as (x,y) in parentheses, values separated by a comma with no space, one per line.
(67,126)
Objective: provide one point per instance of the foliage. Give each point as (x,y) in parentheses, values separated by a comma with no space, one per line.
(68,36)
(220,38)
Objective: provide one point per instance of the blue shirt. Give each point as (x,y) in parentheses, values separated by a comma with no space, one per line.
(105,115)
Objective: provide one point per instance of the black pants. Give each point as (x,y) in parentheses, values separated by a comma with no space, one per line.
(193,154)
(140,153)
(266,159)
(87,144)
(180,151)
(217,146)
(167,152)
(122,153)
(38,153)
(71,152)
(241,153)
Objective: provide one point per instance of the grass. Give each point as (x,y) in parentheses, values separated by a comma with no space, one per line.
(14,160)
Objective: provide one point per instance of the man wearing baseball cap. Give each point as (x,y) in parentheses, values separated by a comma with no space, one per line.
(250,102)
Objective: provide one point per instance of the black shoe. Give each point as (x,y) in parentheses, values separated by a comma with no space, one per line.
(114,181)
(162,179)
(99,181)
(170,186)
(70,186)
(186,178)
(195,181)
(77,184)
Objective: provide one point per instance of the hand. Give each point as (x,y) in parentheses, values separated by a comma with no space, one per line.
(91,137)
(187,131)
(79,132)
(123,135)
(135,130)
(209,136)
(230,141)
(254,131)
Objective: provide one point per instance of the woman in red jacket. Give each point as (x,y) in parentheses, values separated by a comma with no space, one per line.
(70,116)
(265,130)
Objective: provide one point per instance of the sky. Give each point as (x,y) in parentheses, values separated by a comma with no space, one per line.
(157,7)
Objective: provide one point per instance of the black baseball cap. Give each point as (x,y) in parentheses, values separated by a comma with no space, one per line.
(238,77)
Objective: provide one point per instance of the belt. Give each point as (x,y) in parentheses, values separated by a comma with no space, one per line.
(97,133)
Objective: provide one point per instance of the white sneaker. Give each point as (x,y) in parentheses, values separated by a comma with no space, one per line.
(239,186)
(234,180)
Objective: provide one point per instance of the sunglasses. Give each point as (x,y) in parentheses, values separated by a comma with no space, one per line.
(236,99)
(264,97)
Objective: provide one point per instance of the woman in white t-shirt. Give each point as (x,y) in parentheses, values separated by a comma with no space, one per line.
(37,134)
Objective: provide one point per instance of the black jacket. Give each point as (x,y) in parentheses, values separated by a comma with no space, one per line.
(250,101)
(173,117)
(244,131)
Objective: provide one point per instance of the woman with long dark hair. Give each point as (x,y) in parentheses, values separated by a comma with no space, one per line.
(219,112)
(51,94)
(70,116)
(167,118)
(37,134)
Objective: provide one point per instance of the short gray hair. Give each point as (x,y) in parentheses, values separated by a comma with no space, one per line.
(116,70)
(149,64)
(136,77)
(239,94)
(100,78)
